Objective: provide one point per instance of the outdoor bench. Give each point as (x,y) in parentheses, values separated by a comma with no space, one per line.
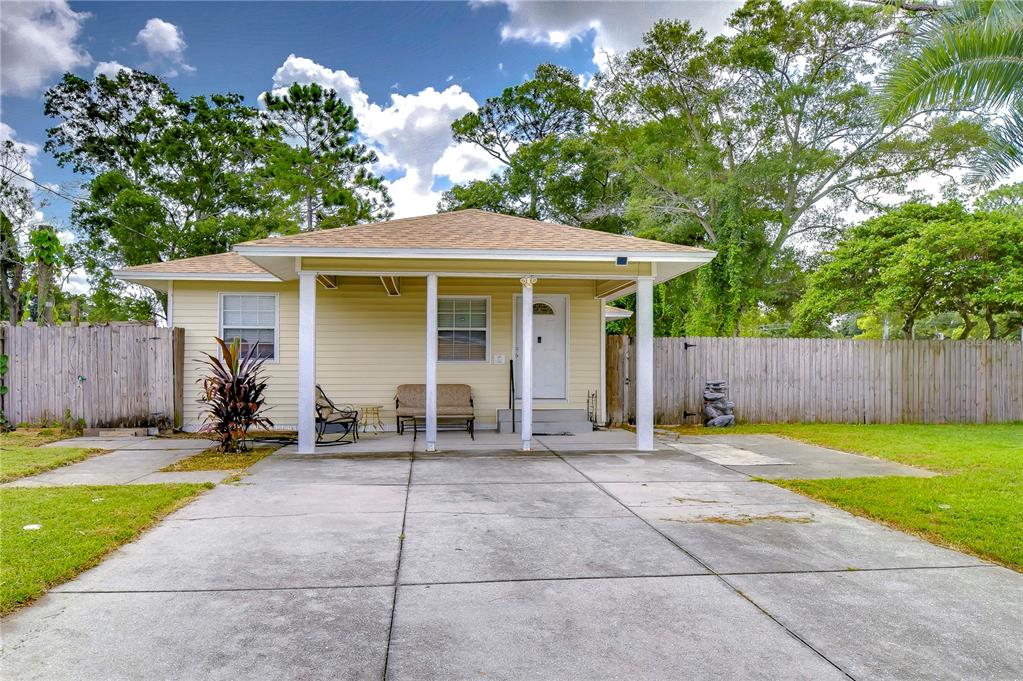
(454,403)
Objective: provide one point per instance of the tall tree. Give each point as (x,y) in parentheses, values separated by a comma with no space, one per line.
(920,261)
(103,124)
(322,168)
(554,168)
(172,178)
(17,210)
(966,54)
(755,141)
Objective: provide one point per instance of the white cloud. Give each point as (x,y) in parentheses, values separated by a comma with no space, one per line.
(165,44)
(110,69)
(465,162)
(614,26)
(305,71)
(38,40)
(411,134)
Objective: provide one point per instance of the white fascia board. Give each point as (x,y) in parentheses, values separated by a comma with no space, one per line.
(466,254)
(191,276)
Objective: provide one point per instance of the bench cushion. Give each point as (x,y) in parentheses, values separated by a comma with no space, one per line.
(449,411)
(456,396)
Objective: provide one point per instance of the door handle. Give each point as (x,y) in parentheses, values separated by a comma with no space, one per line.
(539,339)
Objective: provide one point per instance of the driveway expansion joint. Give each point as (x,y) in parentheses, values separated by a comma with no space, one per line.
(707,567)
(397,567)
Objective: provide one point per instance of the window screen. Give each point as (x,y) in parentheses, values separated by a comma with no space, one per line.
(252,319)
(462,329)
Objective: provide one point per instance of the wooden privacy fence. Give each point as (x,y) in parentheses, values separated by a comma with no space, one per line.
(108,376)
(777,380)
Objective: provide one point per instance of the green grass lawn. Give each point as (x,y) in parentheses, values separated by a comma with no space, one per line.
(21,453)
(214,460)
(976,505)
(78,526)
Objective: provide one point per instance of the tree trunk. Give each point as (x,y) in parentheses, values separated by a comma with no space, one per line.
(992,326)
(309,212)
(968,324)
(11,293)
(907,327)
(44,296)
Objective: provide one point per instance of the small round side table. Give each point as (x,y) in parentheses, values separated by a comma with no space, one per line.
(369,417)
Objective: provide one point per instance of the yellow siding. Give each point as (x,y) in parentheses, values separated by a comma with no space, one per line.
(367,342)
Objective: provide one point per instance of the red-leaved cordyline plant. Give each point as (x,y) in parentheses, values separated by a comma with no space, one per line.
(232,393)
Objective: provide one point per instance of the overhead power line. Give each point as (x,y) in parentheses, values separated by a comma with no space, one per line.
(77,200)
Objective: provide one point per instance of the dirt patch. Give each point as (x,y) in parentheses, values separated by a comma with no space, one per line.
(744,519)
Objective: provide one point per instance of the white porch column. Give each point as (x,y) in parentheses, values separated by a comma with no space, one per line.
(526,360)
(306,362)
(601,396)
(644,363)
(431,362)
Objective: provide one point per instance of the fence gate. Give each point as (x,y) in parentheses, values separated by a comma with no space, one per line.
(107,375)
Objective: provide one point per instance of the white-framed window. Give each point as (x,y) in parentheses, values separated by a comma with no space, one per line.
(463,329)
(252,318)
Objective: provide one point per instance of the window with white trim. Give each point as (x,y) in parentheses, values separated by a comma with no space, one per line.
(252,318)
(462,329)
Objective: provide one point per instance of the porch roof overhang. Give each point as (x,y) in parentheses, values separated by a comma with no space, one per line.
(462,243)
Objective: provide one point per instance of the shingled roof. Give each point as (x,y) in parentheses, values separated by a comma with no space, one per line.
(222,263)
(469,230)
(465,231)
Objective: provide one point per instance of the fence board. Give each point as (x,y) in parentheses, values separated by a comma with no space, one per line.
(107,376)
(826,380)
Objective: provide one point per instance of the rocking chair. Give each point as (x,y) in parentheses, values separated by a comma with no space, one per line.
(332,419)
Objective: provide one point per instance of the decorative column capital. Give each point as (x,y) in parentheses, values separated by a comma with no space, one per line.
(528,281)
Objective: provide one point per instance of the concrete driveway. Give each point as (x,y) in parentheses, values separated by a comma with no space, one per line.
(496,565)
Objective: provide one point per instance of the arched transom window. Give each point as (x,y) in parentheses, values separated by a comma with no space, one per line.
(542,308)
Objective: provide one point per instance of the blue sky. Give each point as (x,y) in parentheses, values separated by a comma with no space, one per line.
(408,68)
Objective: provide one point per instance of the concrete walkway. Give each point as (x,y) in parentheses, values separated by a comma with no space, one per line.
(131,460)
(498,565)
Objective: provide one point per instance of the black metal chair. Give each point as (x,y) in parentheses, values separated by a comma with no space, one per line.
(343,419)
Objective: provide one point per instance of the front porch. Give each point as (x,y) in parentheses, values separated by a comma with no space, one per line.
(386,324)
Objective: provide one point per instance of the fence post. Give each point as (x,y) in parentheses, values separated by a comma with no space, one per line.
(178,369)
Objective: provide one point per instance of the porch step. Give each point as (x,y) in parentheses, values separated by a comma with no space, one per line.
(547,421)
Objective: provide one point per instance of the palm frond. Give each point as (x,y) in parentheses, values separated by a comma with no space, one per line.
(971,53)
(1004,153)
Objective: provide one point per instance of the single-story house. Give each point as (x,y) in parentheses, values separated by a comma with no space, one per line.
(514,308)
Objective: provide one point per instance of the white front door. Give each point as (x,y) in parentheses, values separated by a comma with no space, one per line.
(550,365)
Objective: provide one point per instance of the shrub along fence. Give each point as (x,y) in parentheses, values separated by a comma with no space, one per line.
(778,380)
(101,376)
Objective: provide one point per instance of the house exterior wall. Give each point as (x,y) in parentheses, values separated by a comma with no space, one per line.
(368,342)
